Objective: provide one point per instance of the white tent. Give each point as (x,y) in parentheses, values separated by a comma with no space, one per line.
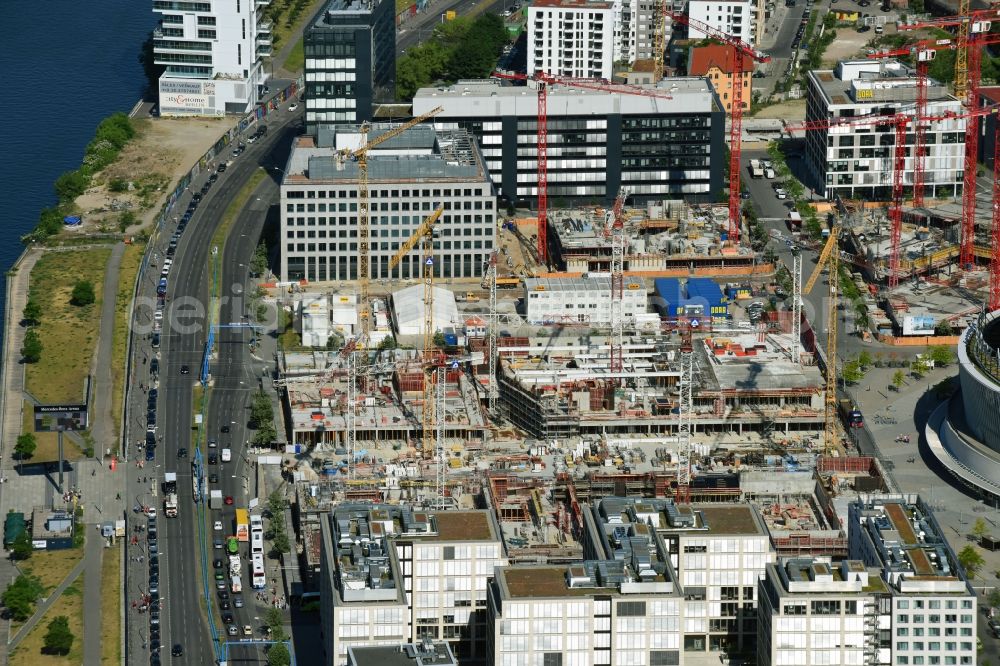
(408,308)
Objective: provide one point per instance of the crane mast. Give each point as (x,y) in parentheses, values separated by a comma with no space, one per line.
(617,310)
(741,52)
(685,405)
(364,231)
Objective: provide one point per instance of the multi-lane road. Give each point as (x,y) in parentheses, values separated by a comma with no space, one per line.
(182,343)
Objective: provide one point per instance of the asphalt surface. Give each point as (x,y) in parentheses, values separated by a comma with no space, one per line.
(421,26)
(182,593)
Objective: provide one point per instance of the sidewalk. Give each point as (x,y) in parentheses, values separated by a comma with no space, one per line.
(101,419)
(93,553)
(13,379)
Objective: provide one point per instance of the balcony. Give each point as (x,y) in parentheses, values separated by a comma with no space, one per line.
(264,26)
(263,39)
(264,50)
(262,3)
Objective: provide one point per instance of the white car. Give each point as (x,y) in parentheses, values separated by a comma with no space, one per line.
(151,512)
(218,526)
(293,106)
(781,194)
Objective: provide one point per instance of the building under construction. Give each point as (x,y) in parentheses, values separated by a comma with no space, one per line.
(564,387)
(386,409)
(664,238)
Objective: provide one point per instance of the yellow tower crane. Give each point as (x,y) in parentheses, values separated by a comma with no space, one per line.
(364,234)
(659,38)
(829,257)
(425,233)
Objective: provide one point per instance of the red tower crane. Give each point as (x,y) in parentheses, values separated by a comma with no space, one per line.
(617,312)
(923,53)
(741,51)
(543,80)
(972,36)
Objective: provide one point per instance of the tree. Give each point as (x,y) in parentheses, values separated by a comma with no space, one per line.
(32,313)
(265,435)
(980,529)
(865,359)
(439,339)
(21,595)
(943,327)
(275,623)
(994,598)
(280,542)
(918,367)
(971,560)
(277,655)
(58,639)
(852,373)
(941,355)
(83,293)
(276,504)
(25,446)
(258,262)
(261,409)
(21,548)
(71,184)
(898,378)
(31,350)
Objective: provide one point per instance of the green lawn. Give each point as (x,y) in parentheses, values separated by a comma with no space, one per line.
(68,332)
(296,58)
(70,604)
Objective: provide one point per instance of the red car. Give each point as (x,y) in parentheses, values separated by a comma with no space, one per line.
(229,500)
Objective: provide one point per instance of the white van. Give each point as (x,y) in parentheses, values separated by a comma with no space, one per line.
(227,455)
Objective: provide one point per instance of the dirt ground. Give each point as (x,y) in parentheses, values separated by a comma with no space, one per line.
(792,110)
(849,44)
(150,166)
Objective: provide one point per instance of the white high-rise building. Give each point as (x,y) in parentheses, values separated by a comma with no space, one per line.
(409,176)
(857,160)
(736,18)
(933,604)
(391,575)
(586,38)
(813,611)
(214,54)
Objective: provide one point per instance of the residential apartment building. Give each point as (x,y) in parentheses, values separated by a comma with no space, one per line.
(717,63)
(736,18)
(213,53)
(588,38)
(813,611)
(933,604)
(594,613)
(857,160)
(581,300)
(350,61)
(667,146)
(718,551)
(393,575)
(409,176)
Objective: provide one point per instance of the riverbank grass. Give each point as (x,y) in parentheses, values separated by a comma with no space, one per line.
(68,332)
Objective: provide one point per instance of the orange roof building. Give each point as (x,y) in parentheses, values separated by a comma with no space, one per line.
(716,63)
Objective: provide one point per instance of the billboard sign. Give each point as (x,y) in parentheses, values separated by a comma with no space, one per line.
(919,324)
(184,101)
(180,87)
(55,418)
